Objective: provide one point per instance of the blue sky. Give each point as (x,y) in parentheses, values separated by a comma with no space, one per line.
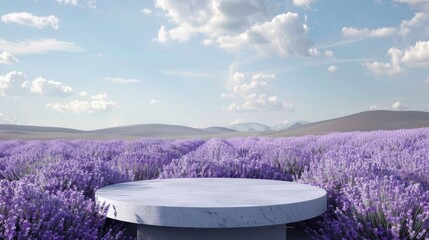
(91,64)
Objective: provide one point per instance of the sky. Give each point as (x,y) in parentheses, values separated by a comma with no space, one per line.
(90,64)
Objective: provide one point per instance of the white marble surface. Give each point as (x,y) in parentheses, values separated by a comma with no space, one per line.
(212,202)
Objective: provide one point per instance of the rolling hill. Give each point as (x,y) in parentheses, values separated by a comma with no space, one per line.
(364,121)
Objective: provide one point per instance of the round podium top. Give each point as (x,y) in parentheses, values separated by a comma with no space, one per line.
(212,202)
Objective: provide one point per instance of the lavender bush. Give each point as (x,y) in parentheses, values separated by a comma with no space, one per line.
(377,182)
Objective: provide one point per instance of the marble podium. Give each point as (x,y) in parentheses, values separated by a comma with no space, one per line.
(212,208)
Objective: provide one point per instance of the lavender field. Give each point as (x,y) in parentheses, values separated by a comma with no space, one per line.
(377,182)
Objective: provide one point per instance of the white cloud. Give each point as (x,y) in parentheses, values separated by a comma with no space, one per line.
(155,101)
(399,106)
(329,54)
(427,80)
(419,21)
(255,103)
(38,46)
(366,33)
(29,19)
(283,35)
(162,35)
(214,17)
(121,80)
(417,26)
(250,93)
(4,119)
(80,3)
(332,68)
(303,3)
(11,84)
(381,68)
(414,56)
(391,68)
(419,4)
(258,80)
(16,84)
(7,58)
(97,103)
(147,11)
(314,52)
(417,55)
(83,94)
(46,87)
(235,25)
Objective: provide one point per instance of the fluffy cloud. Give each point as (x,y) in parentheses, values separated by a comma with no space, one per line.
(391,68)
(329,54)
(235,25)
(29,19)
(46,87)
(258,80)
(7,58)
(419,21)
(427,80)
(413,56)
(162,35)
(250,93)
(254,103)
(12,84)
(416,26)
(283,35)
(382,68)
(80,3)
(16,84)
(147,11)
(97,103)
(38,46)
(303,3)
(365,32)
(332,68)
(417,55)
(121,80)
(314,52)
(213,17)
(399,106)
(83,94)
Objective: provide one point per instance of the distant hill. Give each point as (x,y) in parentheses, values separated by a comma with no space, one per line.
(25,128)
(288,125)
(8,131)
(220,130)
(364,121)
(157,130)
(250,127)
